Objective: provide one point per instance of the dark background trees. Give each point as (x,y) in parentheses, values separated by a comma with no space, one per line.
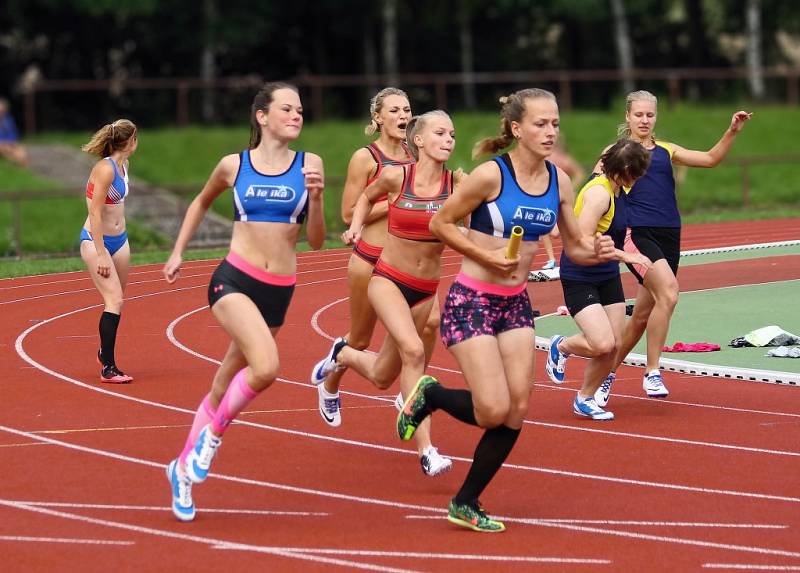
(121,39)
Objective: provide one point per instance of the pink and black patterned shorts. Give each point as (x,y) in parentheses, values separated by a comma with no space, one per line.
(469,313)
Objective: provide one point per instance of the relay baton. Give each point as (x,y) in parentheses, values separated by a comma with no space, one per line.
(512,249)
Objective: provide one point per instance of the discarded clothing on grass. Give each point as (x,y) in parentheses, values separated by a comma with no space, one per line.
(691,347)
(767,336)
(784,352)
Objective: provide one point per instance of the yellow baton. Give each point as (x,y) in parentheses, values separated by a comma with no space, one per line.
(512,249)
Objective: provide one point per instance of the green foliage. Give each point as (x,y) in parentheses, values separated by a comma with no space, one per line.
(183,159)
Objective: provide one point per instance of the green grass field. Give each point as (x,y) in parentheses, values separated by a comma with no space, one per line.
(183,158)
(700,317)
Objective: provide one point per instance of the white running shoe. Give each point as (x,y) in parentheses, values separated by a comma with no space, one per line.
(653,385)
(399,401)
(327,364)
(330,407)
(181,486)
(604,391)
(588,408)
(433,463)
(198,462)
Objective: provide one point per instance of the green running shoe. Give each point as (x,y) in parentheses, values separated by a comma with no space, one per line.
(414,409)
(473,516)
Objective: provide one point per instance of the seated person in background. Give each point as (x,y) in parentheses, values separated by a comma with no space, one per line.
(10,147)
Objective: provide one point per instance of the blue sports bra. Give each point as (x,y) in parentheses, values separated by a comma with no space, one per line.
(271,198)
(536,214)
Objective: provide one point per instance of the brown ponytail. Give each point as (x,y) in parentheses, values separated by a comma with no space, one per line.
(513,109)
(111,137)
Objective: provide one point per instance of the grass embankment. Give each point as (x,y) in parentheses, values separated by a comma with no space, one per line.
(183,158)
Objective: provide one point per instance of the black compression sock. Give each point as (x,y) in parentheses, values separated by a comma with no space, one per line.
(491,452)
(108,337)
(457,403)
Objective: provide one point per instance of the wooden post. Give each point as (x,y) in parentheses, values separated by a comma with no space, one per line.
(674,87)
(317,103)
(791,89)
(745,183)
(17,216)
(564,93)
(30,111)
(441,95)
(182,95)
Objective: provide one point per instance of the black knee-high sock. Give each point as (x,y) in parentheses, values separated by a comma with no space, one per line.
(108,337)
(492,451)
(457,403)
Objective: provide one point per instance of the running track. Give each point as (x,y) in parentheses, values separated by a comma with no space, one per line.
(707,479)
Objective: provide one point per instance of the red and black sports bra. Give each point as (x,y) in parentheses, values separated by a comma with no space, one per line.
(382,160)
(409,214)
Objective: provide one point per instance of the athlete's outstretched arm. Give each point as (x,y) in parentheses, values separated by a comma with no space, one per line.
(712,157)
(220,179)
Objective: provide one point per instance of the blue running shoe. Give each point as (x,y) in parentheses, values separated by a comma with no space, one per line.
(604,391)
(198,462)
(549,265)
(182,504)
(556,360)
(588,408)
(653,385)
(328,364)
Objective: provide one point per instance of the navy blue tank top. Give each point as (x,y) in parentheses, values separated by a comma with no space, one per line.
(536,214)
(652,201)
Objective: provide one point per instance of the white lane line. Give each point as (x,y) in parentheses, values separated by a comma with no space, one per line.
(292,553)
(666,523)
(163,508)
(172,338)
(64,540)
(665,439)
(452,556)
(318,329)
(749,567)
(362,500)
(21,352)
(176,342)
(643,536)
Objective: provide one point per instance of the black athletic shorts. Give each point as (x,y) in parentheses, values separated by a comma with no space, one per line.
(272,300)
(578,294)
(655,243)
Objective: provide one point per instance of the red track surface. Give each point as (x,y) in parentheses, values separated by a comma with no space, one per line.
(708,476)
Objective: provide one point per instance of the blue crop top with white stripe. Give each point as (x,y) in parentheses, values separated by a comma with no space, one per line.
(279,198)
(536,214)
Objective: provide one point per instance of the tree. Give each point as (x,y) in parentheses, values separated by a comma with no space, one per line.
(467,61)
(623,41)
(755,67)
(390,63)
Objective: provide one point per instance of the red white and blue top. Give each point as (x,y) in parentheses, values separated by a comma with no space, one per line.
(118,189)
